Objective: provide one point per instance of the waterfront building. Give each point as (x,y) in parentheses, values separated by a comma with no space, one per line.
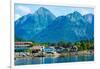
(22,46)
(49,50)
(36,49)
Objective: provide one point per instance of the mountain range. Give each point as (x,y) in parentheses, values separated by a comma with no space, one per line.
(44,26)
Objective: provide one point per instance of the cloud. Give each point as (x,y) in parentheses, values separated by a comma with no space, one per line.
(24,10)
(17,16)
(21,11)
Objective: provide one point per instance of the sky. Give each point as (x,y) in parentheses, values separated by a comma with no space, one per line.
(24,9)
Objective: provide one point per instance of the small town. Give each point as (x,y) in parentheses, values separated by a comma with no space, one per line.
(28,49)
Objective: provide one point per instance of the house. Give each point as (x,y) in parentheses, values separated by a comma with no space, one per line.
(73,49)
(36,49)
(67,49)
(49,50)
(59,49)
(22,46)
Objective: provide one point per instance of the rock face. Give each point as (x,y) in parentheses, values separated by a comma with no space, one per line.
(43,26)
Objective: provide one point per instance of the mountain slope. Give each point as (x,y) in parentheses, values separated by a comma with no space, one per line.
(90,27)
(43,26)
(29,25)
(72,27)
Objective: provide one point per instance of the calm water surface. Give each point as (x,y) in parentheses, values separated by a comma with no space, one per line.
(48,60)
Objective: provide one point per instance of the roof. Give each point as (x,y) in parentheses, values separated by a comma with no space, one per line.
(22,43)
(37,47)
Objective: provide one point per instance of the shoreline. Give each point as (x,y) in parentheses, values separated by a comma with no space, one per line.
(66,54)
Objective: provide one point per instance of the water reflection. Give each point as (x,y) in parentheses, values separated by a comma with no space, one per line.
(48,60)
